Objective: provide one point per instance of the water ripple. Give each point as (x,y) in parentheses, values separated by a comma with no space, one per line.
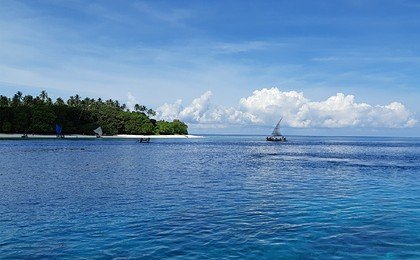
(218,197)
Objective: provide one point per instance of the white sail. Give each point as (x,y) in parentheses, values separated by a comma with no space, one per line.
(276,131)
(98,131)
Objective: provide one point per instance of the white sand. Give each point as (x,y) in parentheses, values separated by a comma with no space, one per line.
(154,136)
(30,136)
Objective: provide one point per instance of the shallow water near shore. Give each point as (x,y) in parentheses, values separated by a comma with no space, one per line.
(221,196)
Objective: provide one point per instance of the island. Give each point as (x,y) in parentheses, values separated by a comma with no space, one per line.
(79,116)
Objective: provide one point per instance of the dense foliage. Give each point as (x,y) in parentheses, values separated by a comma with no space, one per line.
(28,114)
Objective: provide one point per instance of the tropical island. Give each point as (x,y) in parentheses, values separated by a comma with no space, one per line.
(41,115)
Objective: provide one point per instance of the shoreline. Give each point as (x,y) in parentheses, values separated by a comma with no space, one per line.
(124,136)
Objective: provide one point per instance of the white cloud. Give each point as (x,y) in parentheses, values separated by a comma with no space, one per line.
(201,112)
(266,106)
(131,101)
(196,111)
(243,46)
(170,111)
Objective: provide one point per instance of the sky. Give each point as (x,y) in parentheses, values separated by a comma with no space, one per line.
(348,67)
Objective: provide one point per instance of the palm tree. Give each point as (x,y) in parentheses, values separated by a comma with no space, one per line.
(43,96)
(77,99)
(151,112)
(71,101)
(28,100)
(17,98)
(59,101)
(4,101)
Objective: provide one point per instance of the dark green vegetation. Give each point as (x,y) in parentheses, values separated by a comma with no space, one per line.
(39,115)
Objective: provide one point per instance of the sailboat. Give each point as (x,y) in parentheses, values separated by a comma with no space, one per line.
(98,132)
(276,135)
(58,130)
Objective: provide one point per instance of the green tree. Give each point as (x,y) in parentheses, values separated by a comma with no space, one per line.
(151,112)
(79,116)
(4,101)
(17,99)
(43,120)
(179,127)
(59,102)
(28,100)
(164,128)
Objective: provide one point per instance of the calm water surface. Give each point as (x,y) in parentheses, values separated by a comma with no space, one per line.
(239,197)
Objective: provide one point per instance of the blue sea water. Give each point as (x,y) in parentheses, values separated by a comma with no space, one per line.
(218,197)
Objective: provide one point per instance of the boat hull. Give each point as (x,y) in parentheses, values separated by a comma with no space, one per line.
(276,139)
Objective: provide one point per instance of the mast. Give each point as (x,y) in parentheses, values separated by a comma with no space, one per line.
(276,131)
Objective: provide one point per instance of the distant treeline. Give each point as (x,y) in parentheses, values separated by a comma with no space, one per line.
(39,115)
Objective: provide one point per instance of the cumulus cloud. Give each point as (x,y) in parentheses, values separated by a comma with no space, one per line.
(170,111)
(201,113)
(131,101)
(266,106)
(198,108)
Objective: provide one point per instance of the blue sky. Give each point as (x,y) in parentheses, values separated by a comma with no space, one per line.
(157,52)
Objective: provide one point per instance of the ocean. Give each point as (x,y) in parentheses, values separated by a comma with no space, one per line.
(217,197)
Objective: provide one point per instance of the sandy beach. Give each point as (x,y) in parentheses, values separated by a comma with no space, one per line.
(20,136)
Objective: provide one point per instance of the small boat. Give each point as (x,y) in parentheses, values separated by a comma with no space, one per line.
(144,140)
(98,132)
(58,130)
(276,136)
